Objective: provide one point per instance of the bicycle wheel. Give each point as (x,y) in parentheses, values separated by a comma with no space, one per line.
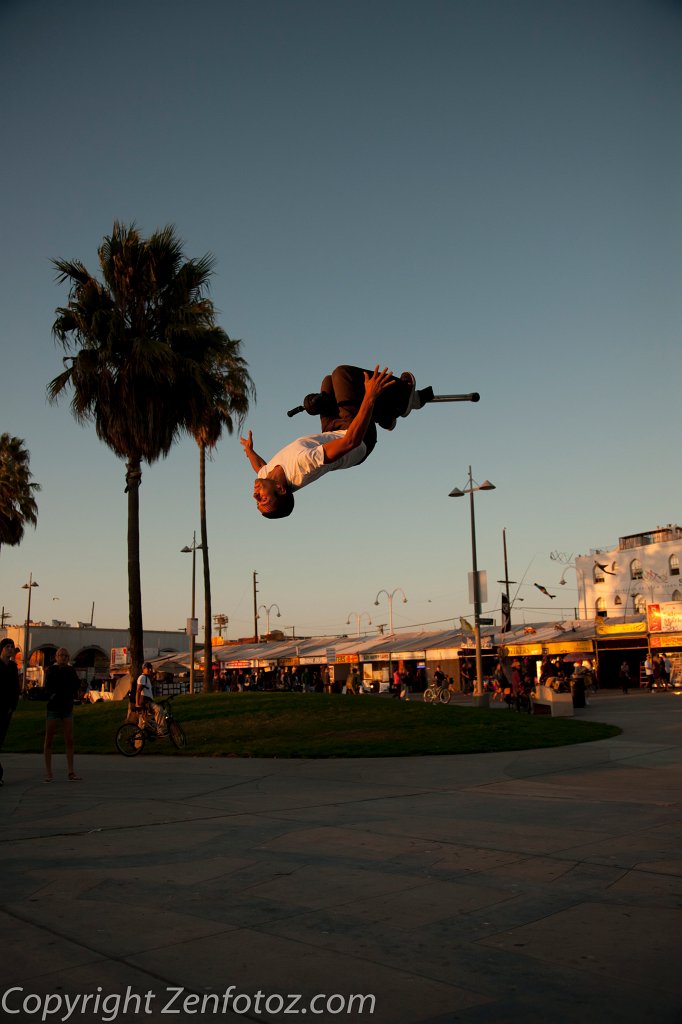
(130,740)
(429,695)
(177,735)
(444,695)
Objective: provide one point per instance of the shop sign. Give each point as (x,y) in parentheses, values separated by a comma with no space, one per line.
(616,628)
(287,662)
(311,659)
(238,664)
(669,640)
(381,656)
(559,647)
(665,617)
(119,657)
(347,659)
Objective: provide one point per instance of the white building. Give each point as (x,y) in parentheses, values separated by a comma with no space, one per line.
(90,647)
(643,569)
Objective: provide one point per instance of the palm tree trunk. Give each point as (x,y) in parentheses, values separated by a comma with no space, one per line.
(133,477)
(208,619)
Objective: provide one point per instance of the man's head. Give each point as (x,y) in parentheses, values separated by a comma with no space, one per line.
(147,667)
(7,648)
(62,656)
(274,499)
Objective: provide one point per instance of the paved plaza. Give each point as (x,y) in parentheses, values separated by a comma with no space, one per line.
(535,886)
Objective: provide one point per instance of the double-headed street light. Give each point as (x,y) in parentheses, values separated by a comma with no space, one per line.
(191,624)
(267,616)
(24,655)
(390,604)
(358,619)
(480,698)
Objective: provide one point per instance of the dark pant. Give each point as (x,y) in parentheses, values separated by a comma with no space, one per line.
(5,719)
(346,386)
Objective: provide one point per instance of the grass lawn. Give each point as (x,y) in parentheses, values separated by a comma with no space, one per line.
(313,725)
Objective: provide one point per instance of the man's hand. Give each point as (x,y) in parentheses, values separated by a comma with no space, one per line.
(377,383)
(247,444)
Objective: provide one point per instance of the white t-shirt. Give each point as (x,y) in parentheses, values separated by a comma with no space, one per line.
(144,686)
(303,459)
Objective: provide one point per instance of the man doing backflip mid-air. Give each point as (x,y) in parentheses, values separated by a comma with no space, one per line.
(350,404)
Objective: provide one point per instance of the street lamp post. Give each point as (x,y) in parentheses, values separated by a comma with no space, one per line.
(24,654)
(358,620)
(390,604)
(185,551)
(267,616)
(390,623)
(480,697)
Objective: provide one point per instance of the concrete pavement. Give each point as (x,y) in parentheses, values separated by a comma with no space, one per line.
(534,886)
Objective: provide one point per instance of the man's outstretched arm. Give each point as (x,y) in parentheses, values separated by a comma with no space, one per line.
(354,436)
(254,458)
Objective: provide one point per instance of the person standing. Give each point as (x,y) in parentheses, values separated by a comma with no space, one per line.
(9,690)
(648,673)
(62,686)
(668,669)
(657,673)
(624,676)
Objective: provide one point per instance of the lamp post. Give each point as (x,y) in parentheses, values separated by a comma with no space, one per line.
(390,623)
(390,604)
(480,698)
(358,620)
(24,654)
(185,551)
(267,616)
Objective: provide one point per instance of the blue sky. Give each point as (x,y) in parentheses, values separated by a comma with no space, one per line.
(483,192)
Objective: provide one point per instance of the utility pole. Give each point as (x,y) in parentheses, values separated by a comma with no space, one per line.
(255,605)
(506,604)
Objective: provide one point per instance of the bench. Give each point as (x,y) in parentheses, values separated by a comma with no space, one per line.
(547,701)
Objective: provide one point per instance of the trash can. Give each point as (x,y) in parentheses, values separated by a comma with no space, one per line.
(578,691)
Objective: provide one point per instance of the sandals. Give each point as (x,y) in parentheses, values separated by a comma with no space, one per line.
(74,778)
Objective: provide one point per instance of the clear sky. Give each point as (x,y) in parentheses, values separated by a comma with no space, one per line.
(484,192)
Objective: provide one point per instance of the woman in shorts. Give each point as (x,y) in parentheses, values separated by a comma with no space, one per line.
(62,686)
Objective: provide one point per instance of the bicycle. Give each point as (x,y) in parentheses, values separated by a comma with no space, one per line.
(437,694)
(132,737)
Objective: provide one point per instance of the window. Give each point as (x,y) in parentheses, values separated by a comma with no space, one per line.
(617,599)
(639,602)
(597,574)
(674,564)
(600,607)
(635,569)
(676,596)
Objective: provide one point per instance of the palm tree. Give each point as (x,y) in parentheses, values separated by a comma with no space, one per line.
(237,387)
(17,504)
(140,344)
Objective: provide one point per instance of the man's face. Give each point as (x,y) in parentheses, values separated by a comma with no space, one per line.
(265,493)
(8,652)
